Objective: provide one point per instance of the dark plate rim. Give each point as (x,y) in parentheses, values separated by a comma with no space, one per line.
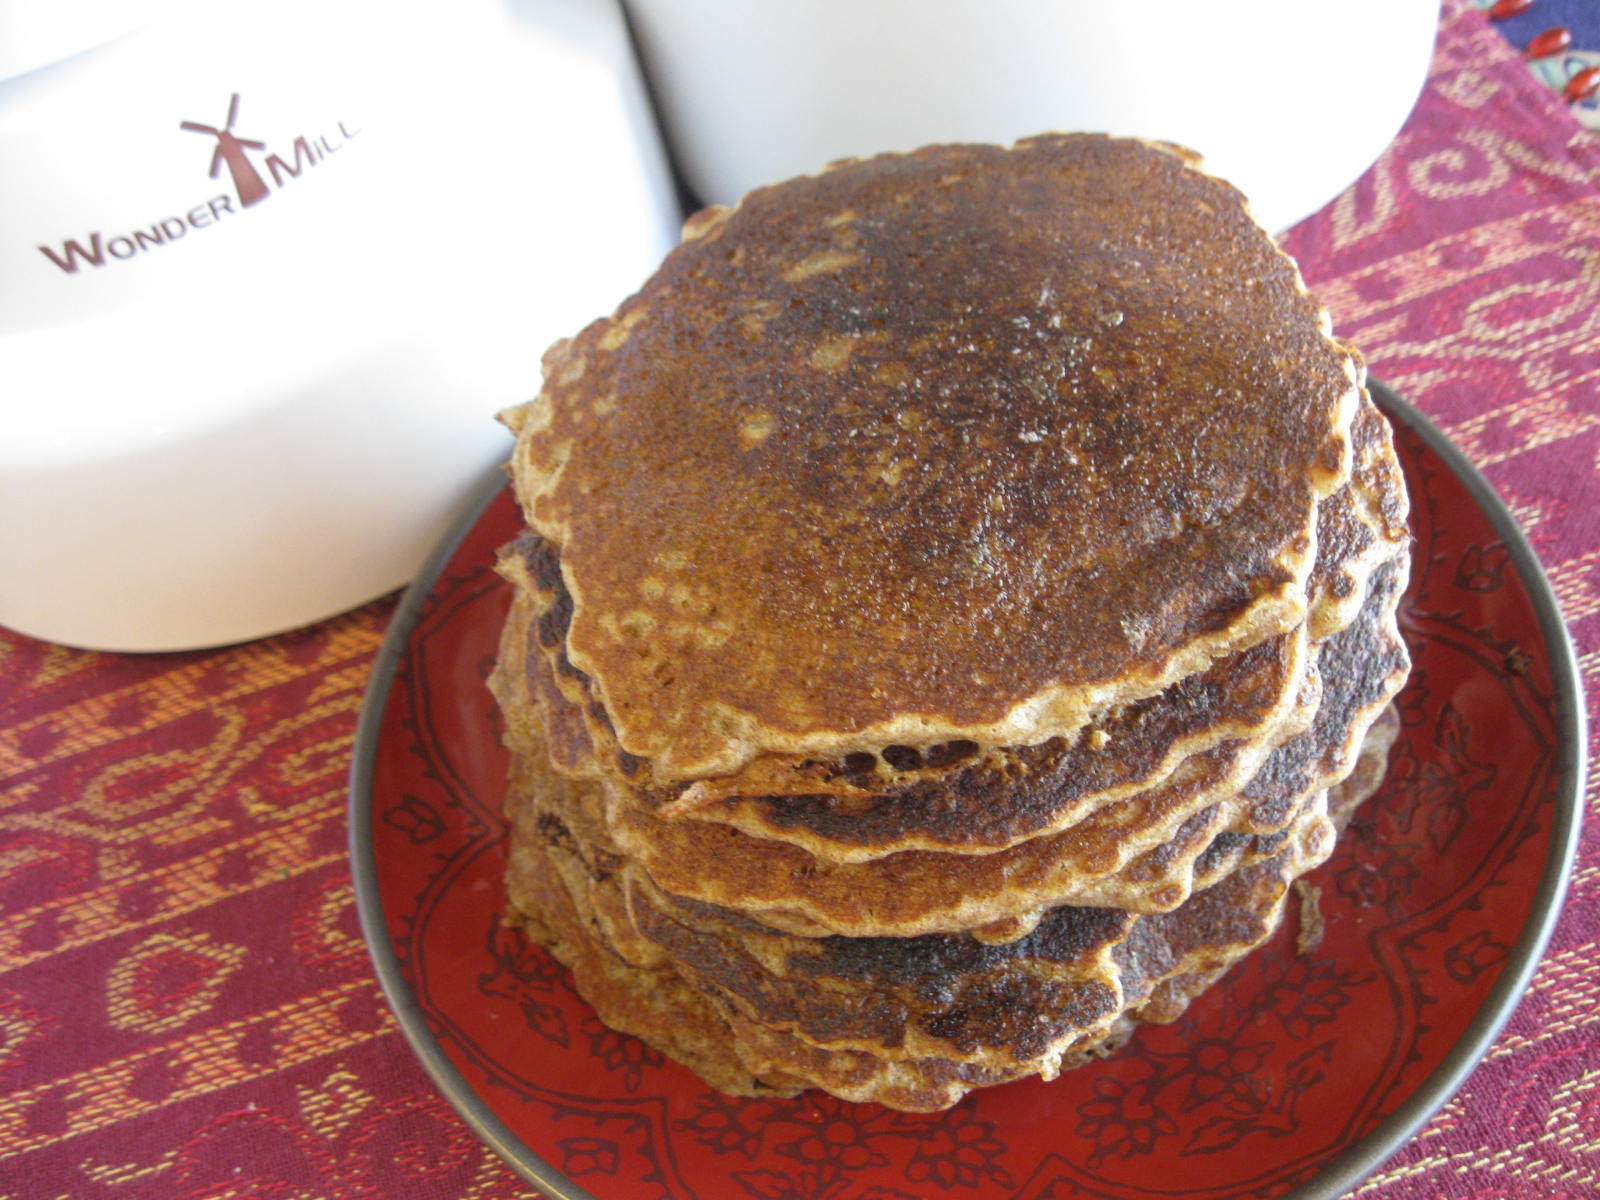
(1338,1176)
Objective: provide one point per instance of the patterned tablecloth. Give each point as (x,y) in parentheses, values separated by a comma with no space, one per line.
(186,1007)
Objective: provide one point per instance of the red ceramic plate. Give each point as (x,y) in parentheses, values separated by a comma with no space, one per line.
(1295,1076)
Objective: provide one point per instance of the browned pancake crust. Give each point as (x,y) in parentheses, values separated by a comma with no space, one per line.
(929,446)
(1098,861)
(654,1004)
(953,796)
(866,1012)
(1358,677)
(946,995)
(885,1013)
(974,799)
(1361,524)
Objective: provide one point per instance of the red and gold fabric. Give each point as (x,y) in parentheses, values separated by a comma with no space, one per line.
(186,1005)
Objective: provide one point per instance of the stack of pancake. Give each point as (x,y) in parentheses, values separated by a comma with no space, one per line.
(957,604)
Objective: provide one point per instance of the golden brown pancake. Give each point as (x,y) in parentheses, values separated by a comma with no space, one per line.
(958,602)
(927,447)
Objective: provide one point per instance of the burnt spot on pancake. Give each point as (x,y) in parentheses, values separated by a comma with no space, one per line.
(1361,668)
(1021,1012)
(932,963)
(993,799)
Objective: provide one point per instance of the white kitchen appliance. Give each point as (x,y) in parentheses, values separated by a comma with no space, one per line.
(1289,99)
(267,271)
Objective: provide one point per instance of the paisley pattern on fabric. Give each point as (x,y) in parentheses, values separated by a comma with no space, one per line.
(187,1009)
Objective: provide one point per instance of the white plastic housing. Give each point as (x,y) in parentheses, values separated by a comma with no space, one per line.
(1290,100)
(221,419)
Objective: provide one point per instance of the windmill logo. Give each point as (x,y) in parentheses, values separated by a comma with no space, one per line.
(250,185)
(232,149)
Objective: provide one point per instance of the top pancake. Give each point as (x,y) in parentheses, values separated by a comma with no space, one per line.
(964,443)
